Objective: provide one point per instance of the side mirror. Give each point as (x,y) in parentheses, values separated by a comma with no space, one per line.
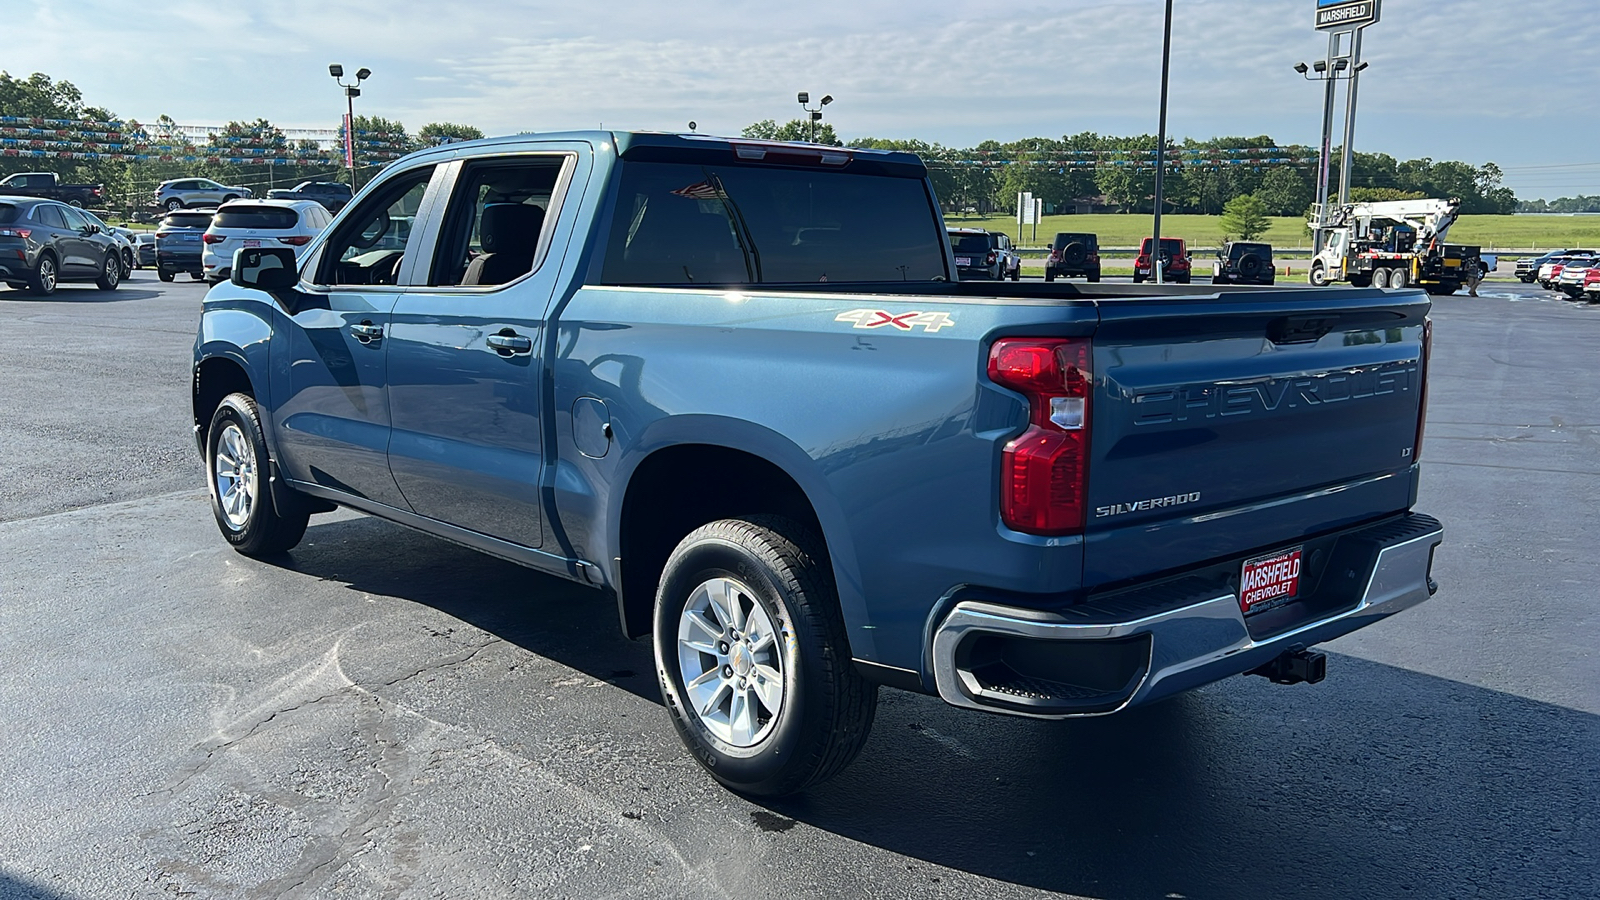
(265,269)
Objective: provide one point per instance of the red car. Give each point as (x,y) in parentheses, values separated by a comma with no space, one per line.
(1175,267)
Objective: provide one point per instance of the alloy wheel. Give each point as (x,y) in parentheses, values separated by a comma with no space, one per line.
(236,476)
(731,658)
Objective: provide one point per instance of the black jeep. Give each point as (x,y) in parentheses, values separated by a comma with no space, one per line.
(1073,253)
(1243,262)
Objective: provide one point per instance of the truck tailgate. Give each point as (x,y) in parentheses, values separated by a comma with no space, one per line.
(1232,424)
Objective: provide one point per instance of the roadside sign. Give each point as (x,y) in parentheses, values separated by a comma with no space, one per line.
(1343,15)
(1025,208)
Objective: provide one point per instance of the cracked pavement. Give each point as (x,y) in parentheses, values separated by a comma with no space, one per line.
(381,714)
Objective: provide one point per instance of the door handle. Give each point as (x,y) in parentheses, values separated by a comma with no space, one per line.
(509,343)
(366,332)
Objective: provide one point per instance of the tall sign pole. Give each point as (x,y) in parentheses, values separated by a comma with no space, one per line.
(1161,145)
(1344,20)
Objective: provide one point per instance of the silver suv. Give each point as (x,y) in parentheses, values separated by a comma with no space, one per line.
(187,192)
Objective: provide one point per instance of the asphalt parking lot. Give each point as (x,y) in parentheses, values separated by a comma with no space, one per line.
(385,714)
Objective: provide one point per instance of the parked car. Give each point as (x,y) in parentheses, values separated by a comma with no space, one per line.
(1244,262)
(730,387)
(1550,272)
(256,223)
(1528,266)
(333,195)
(179,243)
(1591,285)
(1570,280)
(187,193)
(1176,265)
(144,248)
(44,243)
(49,186)
(123,238)
(1073,253)
(984,254)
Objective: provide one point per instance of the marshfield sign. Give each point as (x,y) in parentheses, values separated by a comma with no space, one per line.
(1343,15)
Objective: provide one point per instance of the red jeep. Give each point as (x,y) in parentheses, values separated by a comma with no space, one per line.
(1175,265)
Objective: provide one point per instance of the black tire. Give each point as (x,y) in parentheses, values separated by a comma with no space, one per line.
(164,275)
(110,273)
(1095,277)
(1318,276)
(1398,278)
(229,199)
(1074,253)
(1137,278)
(260,530)
(128,264)
(173,204)
(1361,280)
(42,281)
(1016,274)
(1380,278)
(1049,274)
(826,708)
(1184,279)
(197,276)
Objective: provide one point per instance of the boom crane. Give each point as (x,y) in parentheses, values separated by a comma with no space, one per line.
(1394,244)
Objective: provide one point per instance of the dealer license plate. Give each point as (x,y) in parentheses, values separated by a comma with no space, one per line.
(963,260)
(1269,581)
(252,243)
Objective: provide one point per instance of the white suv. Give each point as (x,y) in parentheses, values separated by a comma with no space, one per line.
(259,223)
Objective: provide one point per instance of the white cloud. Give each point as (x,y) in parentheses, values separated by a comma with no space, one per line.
(1467,79)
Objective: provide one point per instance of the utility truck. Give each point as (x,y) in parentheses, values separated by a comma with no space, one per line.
(1393,244)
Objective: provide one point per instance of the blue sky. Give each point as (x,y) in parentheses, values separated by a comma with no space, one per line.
(1474,80)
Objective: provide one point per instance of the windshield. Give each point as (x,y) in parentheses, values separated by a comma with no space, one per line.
(1237,251)
(970,243)
(1169,246)
(187,220)
(680,223)
(235,215)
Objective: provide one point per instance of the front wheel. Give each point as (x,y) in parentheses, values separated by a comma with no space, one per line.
(751,653)
(110,273)
(1318,276)
(237,464)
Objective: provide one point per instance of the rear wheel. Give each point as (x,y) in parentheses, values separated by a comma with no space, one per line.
(751,654)
(173,204)
(1049,274)
(1398,278)
(1380,278)
(238,466)
(164,275)
(1094,277)
(43,280)
(110,273)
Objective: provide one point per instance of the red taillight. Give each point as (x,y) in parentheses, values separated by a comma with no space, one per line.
(162,234)
(1055,255)
(1094,257)
(297,240)
(210,238)
(1142,261)
(989,260)
(1044,471)
(16,232)
(1422,379)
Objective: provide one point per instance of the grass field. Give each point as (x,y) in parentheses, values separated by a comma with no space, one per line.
(1288,233)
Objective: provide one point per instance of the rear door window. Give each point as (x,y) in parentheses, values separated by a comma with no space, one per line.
(236,215)
(50,216)
(494,230)
(680,223)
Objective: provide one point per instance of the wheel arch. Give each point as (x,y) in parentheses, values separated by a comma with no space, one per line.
(215,377)
(696,469)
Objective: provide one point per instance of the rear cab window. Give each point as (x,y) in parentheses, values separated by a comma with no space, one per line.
(236,215)
(732,223)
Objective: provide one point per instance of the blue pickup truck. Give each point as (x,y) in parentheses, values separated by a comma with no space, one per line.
(737,389)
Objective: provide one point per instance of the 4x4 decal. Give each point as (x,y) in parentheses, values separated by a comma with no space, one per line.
(877,318)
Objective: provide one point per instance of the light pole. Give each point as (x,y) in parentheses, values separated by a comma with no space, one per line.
(1330,71)
(813,116)
(1161,145)
(351,92)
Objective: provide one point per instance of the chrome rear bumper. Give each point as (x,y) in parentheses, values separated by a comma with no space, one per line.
(1181,643)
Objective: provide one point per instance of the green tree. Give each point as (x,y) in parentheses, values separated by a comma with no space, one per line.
(1284,192)
(441,132)
(792,130)
(1244,218)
